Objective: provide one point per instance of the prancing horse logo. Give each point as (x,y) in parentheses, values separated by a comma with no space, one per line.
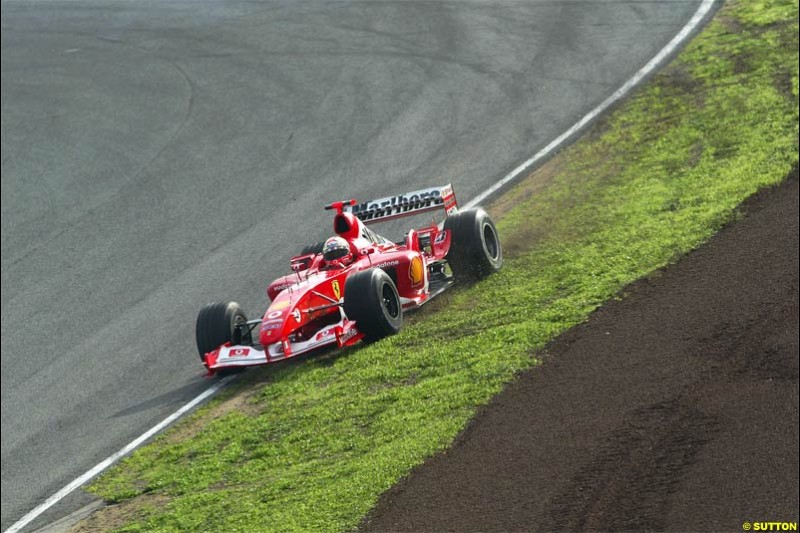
(337,291)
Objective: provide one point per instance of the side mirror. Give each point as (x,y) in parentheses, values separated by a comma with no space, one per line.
(368,251)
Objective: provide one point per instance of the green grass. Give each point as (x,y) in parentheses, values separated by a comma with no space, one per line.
(318,444)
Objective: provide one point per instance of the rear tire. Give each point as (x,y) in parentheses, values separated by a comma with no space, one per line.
(216,325)
(475,250)
(372,301)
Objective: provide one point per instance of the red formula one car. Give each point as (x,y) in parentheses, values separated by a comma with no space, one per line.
(357,284)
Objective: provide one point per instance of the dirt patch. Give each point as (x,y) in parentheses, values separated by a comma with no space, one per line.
(783,82)
(243,402)
(674,408)
(527,188)
(115,516)
(525,236)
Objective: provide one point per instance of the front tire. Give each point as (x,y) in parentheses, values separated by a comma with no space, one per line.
(475,250)
(313,248)
(217,324)
(372,301)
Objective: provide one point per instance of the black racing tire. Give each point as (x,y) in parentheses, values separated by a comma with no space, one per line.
(372,301)
(475,250)
(216,324)
(314,248)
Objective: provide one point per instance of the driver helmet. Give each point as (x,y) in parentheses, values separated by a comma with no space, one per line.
(335,248)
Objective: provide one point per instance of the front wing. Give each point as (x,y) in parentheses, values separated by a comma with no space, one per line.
(234,356)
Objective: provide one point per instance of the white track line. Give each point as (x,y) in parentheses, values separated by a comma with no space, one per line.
(651,65)
(58,496)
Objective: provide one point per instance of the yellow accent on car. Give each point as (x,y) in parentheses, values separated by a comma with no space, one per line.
(416,271)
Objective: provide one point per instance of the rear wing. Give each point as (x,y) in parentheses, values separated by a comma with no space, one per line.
(403,205)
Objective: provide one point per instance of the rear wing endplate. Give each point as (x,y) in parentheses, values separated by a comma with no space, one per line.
(403,205)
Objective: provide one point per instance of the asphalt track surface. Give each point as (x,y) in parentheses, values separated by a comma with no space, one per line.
(157,156)
(674,409)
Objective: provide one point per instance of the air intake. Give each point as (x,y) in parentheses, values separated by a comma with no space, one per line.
(341,225)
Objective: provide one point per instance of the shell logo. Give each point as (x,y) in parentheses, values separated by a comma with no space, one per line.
(416,272)
(277,306)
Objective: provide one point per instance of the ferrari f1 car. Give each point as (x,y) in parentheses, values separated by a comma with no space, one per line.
(356,285)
